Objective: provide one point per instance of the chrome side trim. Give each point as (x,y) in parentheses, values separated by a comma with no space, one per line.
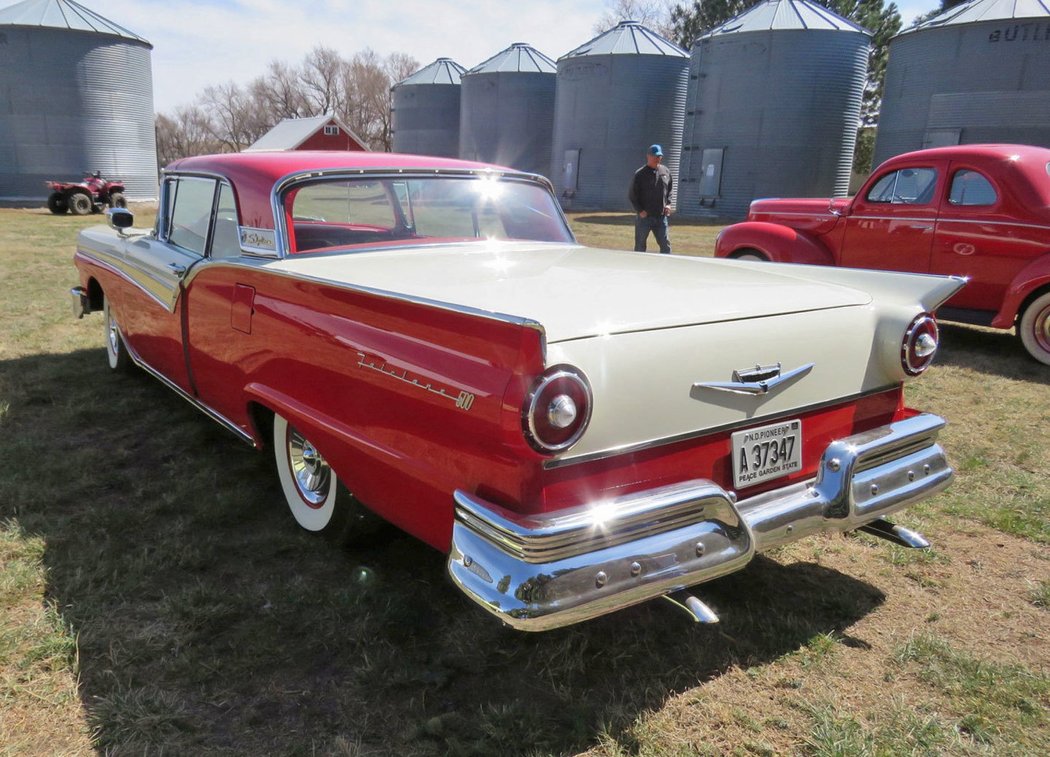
(125,270)
(222,420)
(554,569)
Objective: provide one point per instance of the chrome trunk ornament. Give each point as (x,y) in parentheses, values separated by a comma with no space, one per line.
(762,379)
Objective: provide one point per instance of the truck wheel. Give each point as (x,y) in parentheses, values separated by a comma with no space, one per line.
(56,203)
(749,254)
(1034,328)
(318,502)
(116,351)
(79,203)
(116,200)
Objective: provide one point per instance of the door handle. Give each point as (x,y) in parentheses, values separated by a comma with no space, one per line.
(177,268)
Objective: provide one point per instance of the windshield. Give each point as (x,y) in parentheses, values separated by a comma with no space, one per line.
(371,212)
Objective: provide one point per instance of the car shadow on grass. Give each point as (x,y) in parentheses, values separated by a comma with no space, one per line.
(207,622)
(989,351)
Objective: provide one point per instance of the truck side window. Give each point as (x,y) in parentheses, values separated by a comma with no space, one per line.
(971,188)
(908,186)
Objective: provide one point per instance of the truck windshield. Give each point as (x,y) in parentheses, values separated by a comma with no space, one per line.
(395,212)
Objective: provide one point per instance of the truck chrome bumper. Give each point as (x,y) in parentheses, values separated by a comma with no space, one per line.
(554,569)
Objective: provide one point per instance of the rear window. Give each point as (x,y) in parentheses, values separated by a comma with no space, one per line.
(392,212)
(971,188)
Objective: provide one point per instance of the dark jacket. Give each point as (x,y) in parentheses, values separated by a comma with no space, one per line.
(651,189)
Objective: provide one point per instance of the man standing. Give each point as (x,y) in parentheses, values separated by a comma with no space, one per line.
(650,194)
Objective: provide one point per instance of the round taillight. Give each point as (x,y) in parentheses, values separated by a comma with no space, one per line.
(557,409)
(920,344)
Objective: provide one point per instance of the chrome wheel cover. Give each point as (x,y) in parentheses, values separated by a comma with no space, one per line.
(312,475)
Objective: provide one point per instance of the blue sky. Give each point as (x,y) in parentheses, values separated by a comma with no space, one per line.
(202,42)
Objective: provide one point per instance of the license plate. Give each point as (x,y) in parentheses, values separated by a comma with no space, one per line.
(766,452)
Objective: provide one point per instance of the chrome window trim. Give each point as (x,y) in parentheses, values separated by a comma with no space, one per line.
(286,181)
(628,449)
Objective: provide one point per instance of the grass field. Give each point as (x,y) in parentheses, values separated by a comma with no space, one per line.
(156,598)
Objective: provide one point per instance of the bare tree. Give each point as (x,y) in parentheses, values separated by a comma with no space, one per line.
(188,131)
(654,14)
(320,78)
(279,91)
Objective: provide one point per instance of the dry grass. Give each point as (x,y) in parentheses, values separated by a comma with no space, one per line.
(156,598)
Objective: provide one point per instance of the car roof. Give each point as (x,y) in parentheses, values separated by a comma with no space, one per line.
(1024,153)
(253,175)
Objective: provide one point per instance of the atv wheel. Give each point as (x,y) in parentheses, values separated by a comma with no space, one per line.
(56,203)
(79,203)
(116,200)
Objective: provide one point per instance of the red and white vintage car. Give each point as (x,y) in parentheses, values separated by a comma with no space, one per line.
(578,430)
(979,211)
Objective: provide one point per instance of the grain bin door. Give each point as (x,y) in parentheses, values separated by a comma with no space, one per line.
(711,175)
(570,173)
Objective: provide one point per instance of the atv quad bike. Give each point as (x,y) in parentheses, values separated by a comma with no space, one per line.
(88,196)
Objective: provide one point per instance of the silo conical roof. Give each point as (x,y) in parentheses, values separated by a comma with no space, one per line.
(777,15)
(63,14)
(441,71)
(628,38)
(985,10)
(518,58)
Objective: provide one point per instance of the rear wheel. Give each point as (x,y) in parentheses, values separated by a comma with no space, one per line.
(79,203)
(56,203)
(317,500)
(1034,328)
(116,352)
(749,254)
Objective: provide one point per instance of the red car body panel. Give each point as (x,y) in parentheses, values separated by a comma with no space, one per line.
(1002,246)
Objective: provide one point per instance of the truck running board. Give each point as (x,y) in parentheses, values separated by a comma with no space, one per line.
(899,535)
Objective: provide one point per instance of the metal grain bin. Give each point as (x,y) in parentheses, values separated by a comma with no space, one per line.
(979,72)
(616,95)
(425,110)
(77,96)
(506,112)
(773,108)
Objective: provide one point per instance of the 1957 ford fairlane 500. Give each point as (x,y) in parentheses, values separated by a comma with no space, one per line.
(579,430)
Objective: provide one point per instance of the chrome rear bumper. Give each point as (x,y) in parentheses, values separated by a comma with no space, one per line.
(555,569)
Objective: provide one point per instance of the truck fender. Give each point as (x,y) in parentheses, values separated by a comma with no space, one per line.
(1028,280)
(775,241)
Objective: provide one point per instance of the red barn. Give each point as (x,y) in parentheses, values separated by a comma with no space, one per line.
(318,133)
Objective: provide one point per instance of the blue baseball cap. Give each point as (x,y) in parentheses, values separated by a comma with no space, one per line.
(656,150)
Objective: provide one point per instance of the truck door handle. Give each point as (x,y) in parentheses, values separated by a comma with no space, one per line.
(177,268)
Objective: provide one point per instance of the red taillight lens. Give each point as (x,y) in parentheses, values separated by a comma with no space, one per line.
(920,344)
(557,409)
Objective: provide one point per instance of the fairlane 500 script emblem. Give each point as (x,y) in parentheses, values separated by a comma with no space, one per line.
(463,400)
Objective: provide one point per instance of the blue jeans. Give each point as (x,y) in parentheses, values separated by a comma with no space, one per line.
(658,226)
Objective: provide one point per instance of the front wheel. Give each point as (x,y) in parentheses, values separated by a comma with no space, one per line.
(116,200)
(1034,328)
(116,351)
(318,502)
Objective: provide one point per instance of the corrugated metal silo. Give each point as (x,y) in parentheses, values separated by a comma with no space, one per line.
(77,95)
(616,95)
(979,72)
(507,110)
(773,108)
(425,110)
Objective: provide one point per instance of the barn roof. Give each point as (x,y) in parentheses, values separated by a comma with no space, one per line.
(292,132)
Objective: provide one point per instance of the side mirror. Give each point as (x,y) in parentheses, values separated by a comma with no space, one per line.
(120,219)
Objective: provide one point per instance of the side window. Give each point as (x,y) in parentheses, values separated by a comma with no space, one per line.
(971,188)
(907,186)
(191,213)
(226,239)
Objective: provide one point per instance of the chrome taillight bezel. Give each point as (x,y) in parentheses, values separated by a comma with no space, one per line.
(923,325)
(555,382)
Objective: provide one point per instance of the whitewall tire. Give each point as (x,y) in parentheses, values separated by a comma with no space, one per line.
(1034,328)
(116,351)
(318,502)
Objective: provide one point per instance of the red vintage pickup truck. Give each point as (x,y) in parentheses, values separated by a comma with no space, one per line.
(980,211)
